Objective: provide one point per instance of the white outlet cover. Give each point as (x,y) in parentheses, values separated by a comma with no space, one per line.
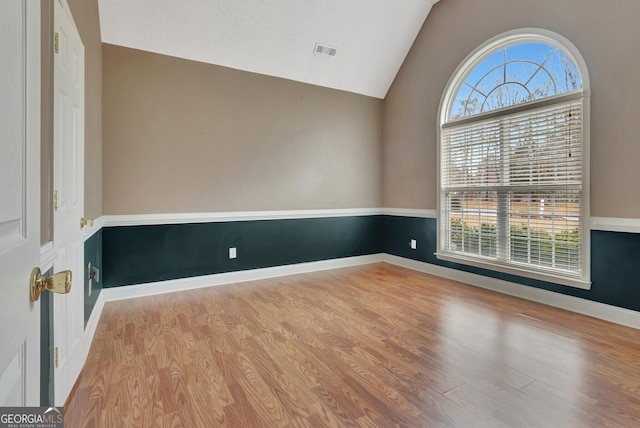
(232,253)
(413,244)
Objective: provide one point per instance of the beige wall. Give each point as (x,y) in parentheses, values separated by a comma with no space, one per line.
(606,33)
(182,136)
(85,15)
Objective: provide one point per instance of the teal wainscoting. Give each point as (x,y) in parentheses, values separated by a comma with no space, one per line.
(150,253)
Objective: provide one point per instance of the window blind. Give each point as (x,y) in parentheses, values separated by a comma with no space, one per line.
(511,188)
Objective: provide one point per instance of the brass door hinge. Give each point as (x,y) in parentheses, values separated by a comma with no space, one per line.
(56,46)
(55,356)
(55,200)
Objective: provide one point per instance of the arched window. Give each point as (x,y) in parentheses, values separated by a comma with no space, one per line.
(513,149)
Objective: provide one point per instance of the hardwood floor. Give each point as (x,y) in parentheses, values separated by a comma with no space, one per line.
(372,346)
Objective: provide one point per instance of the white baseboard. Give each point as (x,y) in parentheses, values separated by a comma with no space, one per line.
(150,289)
(92,324)
(575,304)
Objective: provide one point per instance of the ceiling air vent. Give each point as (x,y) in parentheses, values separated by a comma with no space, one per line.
(324,50)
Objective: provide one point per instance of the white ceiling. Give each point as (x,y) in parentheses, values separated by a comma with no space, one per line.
(276,37)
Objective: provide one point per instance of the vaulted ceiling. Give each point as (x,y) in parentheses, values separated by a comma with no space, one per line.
(277,37)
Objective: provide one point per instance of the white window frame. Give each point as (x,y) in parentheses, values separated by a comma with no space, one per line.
(525,35)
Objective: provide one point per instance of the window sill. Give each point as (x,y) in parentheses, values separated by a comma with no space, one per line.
(512,270)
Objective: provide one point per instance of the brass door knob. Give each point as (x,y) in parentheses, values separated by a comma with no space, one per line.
(85,222)
(59,283)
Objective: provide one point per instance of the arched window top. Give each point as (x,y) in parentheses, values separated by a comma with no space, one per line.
(514,69)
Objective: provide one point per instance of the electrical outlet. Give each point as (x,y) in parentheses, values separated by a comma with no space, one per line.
(232,253)
(95,274)
(413,244)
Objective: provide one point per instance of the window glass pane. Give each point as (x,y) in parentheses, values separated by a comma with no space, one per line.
(544,228)
(521,71)
(473,105)
(542,85)
(484,67)
(535,52)
(470,157)
(506,95)
(489,82)
(460,103)
(514,75)
(472,222)
(564,73)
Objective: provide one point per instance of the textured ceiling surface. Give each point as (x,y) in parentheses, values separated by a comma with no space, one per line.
(276,37)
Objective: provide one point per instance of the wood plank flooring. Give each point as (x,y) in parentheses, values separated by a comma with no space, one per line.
(371,346)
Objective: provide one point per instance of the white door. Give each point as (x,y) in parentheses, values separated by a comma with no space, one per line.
(68,185)
(19,201)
